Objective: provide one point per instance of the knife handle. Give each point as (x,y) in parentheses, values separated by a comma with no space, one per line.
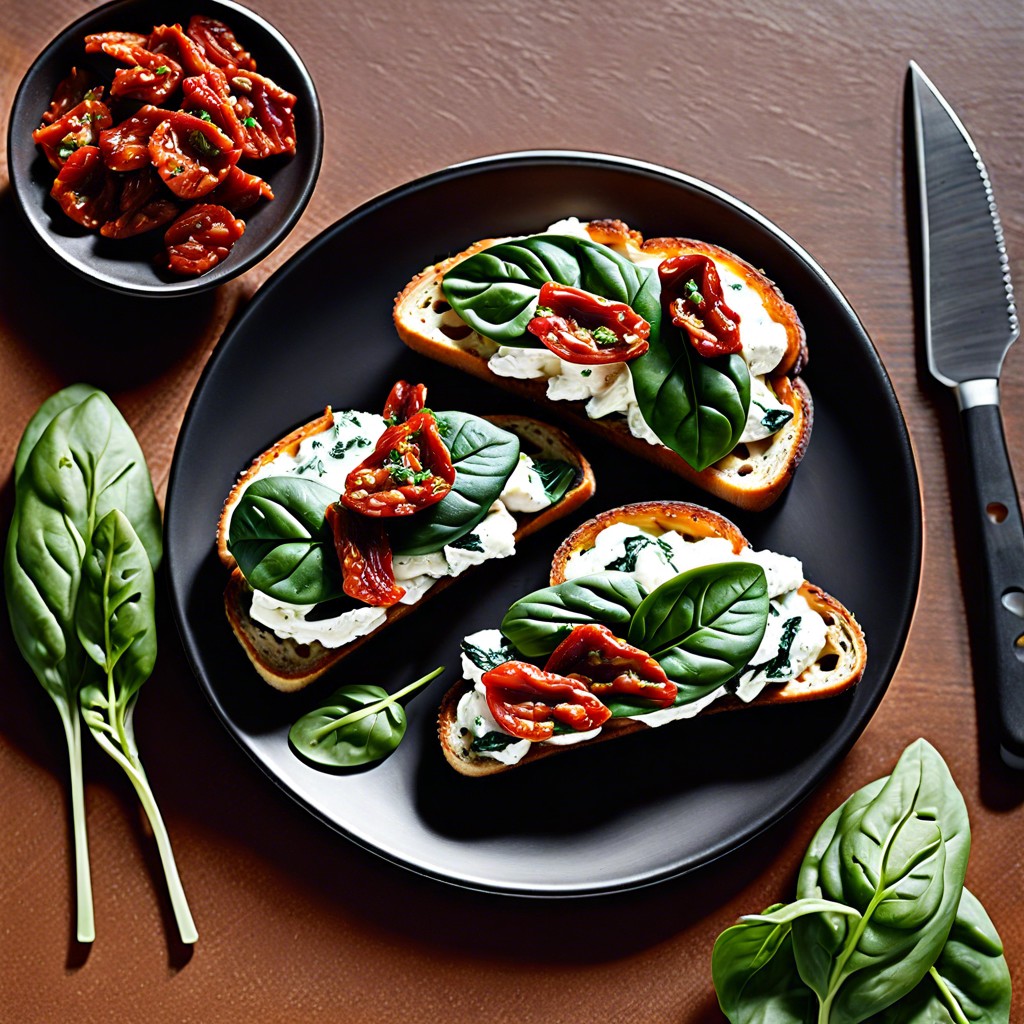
(1002,540)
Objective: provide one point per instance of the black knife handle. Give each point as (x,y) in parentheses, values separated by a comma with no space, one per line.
(1002,540)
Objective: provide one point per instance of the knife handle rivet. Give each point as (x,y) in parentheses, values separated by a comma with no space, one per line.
(1013,601)
(997,511)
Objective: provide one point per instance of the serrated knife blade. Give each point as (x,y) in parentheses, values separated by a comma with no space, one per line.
(969,324)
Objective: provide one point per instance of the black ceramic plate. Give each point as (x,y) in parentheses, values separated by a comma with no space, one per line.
(128,265)
(616,815)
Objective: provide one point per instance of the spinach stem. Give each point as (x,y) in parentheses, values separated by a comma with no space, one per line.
(85,921)
(955,1010)
(372,709)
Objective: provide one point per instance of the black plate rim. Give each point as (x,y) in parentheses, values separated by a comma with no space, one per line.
(843,740)
(224,272)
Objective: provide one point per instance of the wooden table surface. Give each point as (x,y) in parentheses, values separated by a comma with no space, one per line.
(794,107)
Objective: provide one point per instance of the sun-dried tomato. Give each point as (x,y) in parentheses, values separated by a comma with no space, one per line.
(87,193)
(265,111)
(691,292)
(79,127)
(527,701)
(95,42)
(219,44)
(210,94)
(172,41)
(580,327)
(201,238)
(240,190)
(150,77)
(142,206)
(364,552)
(192,156)
(79,85)
(404,401)
(125,147)
(608,665)
(410,469)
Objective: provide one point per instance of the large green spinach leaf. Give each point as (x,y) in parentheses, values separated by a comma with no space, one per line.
(703,625)
(537,623)
(484,457)
(115,619)
(495,291)
(897,855)
(282,542)
(44,415)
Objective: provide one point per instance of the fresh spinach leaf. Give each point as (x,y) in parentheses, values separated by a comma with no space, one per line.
(492,741)
(471,542)
(897,854)
(488,658)
(281,541)
(495,291)
(696,406)
(537,623)
(116,625)
(360,725)
(634,545)
(556,477)
(74,394)
(484,457)
(703,625)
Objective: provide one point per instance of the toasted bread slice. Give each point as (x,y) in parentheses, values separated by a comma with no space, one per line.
(287,665)
(752,476)
(838,667)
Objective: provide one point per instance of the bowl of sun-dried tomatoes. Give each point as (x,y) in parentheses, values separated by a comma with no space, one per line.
(161,148)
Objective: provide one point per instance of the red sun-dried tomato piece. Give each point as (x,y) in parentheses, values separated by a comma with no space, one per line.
(125,147)
(404,401)
(87,193)
(266,112)
(219,44)
(172,41)
(142,206)
(150,78)
(581,327)
(192,156)
(95,42)
(691,292)
(527,701)
(364,552)
(410,469)
(209,94)
(76,129)
(79,85)
(201,238)
(609,665)
(240,190)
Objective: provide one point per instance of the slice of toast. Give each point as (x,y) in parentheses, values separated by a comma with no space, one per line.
(838,667)
(287,665)
(752,476)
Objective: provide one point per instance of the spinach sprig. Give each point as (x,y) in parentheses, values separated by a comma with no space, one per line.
(883,928)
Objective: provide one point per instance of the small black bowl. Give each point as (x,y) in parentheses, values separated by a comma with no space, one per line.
(129,265)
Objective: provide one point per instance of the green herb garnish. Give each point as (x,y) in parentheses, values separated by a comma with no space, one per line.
(202,145)
(692,294)
(250,122)
(604,335)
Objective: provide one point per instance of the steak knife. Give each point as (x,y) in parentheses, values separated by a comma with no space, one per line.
(969,324)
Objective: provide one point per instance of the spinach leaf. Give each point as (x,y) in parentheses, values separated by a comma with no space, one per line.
(492,741)
(484,457)
(896,852)
(116,624)
(281,541)
(634,545)
(555,476)
(537,623)
(703,625)
(488,658)
(696,406)
(495,291)
(45,414)
(969,981)
(360,725)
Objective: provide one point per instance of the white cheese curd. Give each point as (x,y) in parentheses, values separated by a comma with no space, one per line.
(524,491)
(288,621)
(608,389)
(473,720)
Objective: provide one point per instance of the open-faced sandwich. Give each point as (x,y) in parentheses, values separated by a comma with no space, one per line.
(351,520)
(655,612)
(677,350)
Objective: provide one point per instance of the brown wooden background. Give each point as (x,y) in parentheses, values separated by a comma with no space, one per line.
(796,108)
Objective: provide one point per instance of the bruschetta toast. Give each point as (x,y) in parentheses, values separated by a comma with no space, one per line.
(729,414)
(658,611)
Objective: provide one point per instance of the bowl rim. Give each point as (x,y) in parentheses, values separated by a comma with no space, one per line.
(188,286)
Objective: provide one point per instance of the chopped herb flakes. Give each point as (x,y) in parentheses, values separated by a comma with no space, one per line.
(341,447)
